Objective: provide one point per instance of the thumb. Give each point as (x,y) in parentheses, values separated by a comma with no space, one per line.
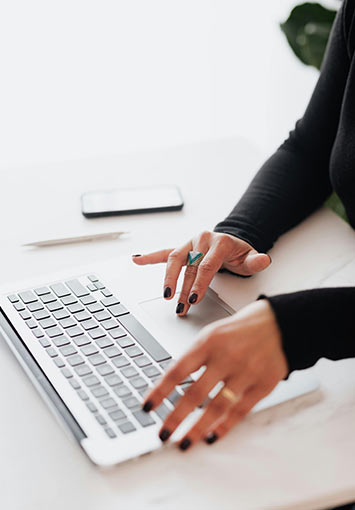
(255,262)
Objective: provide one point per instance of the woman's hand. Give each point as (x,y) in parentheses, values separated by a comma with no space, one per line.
(244,352)
(220,250)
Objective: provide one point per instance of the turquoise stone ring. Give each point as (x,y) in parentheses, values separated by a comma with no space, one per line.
(194,258)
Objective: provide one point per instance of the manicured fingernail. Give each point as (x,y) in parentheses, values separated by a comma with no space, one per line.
(180,308)
(184,445)
(148,406)
(164,434)
(193,298)
(137,255)
(167,292)
(211,438)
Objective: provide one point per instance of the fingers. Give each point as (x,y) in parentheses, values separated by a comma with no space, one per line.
(176,260)
(152,258)
(254,262)
(204,274)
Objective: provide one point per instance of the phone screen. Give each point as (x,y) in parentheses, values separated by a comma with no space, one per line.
(131,200)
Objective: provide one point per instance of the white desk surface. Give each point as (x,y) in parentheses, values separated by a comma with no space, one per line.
(297,456)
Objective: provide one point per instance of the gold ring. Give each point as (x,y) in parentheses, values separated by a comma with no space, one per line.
(230,395)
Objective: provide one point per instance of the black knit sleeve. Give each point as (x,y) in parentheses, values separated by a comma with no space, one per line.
(295,181)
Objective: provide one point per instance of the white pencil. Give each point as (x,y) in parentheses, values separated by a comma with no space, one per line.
(76,239)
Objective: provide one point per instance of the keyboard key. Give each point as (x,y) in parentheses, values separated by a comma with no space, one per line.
(118,310)
(142,361)
(76,287)
(47,323)
(27,296)
(55,305)
(97,359)
(51,352)
(111,434)
(74,331)
(105,369)
(101,419)
(41,314)
(111,352)
(68,350)
(74,383)
(75,308)
(91,380)
(96,333)
(61,314)
(89,350)
(44,342)
(110,324)
(83,370)
(25,315)
(83,395)
(48,298)
(165,364)
(60,290)
(104,342)
(174,397)
(129,372)
(31,323)
(69,300)
(75,360)
(67,323)
(60,341)
(138,383)
(162,411)
(117,333)
(147,341)
(102,316)
(122,391)
(117,415)
(106,293)
(113,380)
(36,305)
(99,392)
(13,298)
(82,316)
(126,341)
(53,332)
(38,333)
(110,301)
(120,362)
(96,307)
(92,287)
(67,373)
(99,285)
(92,407)
(143,418)
(133,351)
(88,300)
(151,371)
(82,340)
(131,402)
(19,307)
(90,324)
(42,290)
(59,362)
(93,278)
(126,427)
(107,403)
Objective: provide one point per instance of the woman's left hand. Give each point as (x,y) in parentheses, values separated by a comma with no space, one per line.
(245,352)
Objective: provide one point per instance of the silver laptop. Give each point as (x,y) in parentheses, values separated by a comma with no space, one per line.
(94,342)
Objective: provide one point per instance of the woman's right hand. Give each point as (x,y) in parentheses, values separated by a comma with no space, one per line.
(220,250)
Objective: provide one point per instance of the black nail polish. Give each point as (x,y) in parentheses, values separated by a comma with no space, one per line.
(180,308)
(184,445)
(167,292)
(211,438)
(164,434)
(137,255)
(193,298)
(148,406)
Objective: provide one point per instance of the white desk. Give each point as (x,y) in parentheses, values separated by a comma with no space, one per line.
(298,456)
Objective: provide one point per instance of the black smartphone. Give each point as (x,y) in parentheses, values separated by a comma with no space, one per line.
(131,201)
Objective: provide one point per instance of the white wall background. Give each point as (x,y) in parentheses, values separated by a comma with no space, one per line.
(88,77)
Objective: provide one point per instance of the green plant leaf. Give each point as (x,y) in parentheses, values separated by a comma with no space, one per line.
(334,203)
(307,30)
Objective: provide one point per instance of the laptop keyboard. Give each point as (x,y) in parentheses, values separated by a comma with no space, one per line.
(106,355)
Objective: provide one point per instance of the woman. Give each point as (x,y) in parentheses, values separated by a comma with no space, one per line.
(258,346)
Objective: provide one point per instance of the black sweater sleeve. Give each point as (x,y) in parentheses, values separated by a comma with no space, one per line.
(295,181)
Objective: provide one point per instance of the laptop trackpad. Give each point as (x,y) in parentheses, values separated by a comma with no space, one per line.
(211,309)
